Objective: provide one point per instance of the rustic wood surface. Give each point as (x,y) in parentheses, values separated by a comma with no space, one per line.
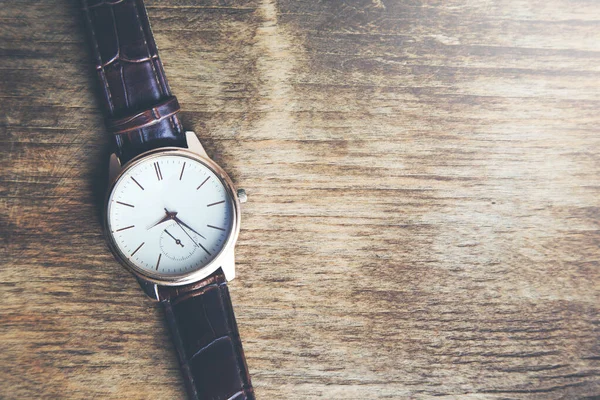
(424,214)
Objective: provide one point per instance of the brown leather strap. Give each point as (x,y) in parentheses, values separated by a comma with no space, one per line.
(200,316)
(143,114)
(141,111)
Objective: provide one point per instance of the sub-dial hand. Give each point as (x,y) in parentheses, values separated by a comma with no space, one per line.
(177,241)
(184,231)
(187,226)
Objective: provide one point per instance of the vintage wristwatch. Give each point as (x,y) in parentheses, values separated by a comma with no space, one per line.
(172,215)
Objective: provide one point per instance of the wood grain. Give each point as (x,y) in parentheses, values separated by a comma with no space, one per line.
(424,190)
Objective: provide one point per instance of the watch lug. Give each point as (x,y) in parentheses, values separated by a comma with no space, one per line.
(228,266)
(194,144)
(151,289)
(114,168)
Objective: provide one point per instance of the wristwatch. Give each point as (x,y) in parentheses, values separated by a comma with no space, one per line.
(172,215)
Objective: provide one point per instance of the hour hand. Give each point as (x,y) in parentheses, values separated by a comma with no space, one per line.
(167,217)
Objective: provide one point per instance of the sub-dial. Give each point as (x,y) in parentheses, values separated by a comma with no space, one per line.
(175,244)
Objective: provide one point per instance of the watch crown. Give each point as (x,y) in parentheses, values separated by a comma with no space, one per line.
(242,196)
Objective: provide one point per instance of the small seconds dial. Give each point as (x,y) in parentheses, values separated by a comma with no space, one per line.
(175,246)
(169,215)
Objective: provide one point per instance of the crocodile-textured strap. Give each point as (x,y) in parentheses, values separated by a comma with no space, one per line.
(200,316)
(141,111)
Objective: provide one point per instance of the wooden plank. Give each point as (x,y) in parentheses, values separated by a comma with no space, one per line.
(423,215)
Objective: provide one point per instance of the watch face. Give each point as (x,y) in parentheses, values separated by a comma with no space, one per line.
(169,215)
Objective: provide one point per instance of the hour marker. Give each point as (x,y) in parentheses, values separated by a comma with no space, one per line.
(214,204)
(158,262)
(139,247)
(215,227)
(158,172)
(122,229)
(182,169)
(203,183)
(141,187)
(204,248)
(125,204)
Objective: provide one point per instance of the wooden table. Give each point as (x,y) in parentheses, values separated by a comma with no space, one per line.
(424,199)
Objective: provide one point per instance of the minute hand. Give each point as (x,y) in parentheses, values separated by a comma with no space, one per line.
(187,226)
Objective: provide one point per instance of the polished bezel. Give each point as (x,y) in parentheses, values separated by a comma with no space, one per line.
(225,257)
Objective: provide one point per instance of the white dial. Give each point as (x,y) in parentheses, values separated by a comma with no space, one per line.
(169,215)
